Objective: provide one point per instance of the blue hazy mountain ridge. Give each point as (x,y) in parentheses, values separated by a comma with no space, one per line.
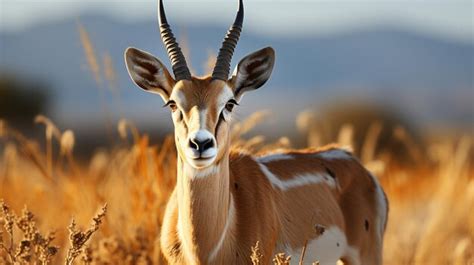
(429,78)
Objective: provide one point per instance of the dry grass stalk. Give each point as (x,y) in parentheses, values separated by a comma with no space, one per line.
(90,53)
(281,144)
(303,252)
(8,220)
(50,131)
(305,122)
(3,128)
(33,247)
(281,259)
(404,137)
(186,49)
(67,142)
(122,127)
(370,142)
(66,149)
(346,135)
(50,128)
(241,128)
(210,62)
(256,256)
(79,238)
(109,71)
(29,148)
(427,205)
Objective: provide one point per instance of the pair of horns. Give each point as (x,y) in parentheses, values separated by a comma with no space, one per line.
(178,62)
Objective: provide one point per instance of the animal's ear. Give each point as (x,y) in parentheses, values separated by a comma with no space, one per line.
(149,73)
(253,71)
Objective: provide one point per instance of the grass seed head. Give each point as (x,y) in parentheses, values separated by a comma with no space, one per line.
(50,128)
(89,51)
(281,259)
(67,142)
(122,128)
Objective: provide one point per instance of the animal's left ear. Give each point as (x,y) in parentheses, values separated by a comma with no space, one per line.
(253,71)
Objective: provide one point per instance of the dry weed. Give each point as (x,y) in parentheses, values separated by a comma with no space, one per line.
(428,204)
(78,238)
(32,247)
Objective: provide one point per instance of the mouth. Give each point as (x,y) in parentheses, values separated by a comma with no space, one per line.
(195,156)
(201,161)
(202,158)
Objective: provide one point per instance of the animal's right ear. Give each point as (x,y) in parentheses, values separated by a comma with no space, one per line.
(149,73)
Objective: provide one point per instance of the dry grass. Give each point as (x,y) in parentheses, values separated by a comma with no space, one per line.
(90,53)
(431,219)
(429,210)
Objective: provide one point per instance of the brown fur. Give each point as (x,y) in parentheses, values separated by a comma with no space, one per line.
(271,216)
(224,203)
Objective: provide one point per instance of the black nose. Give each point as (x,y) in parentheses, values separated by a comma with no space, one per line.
(201,145)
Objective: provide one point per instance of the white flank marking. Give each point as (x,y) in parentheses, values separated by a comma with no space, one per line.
(297,181)
(327,248)
(274,157)
(229,221)
(334,154)
(352,255)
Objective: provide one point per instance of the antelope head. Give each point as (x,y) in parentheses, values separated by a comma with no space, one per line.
(201,107)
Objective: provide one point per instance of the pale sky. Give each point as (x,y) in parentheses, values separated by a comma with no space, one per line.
(445,18)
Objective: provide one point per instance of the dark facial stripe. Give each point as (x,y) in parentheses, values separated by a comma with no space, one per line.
(220,119)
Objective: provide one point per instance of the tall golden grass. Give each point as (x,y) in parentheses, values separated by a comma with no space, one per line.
(431,219)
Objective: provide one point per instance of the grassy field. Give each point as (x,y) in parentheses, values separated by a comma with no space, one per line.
(108,208)
(430,222)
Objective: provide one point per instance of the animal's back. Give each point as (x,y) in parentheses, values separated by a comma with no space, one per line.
(323,198)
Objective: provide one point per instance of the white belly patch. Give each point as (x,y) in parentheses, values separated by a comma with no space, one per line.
(328,248)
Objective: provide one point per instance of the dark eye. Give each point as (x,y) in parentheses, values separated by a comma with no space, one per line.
(230,105)
(172,105)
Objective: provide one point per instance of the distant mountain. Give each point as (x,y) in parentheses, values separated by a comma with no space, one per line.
(429,79)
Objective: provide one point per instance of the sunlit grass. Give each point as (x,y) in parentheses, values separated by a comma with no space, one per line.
(429,206)
(430,222)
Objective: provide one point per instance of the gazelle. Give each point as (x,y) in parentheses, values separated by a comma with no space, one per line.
(225,201)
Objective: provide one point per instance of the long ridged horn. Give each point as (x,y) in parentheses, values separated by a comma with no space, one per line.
(222,68)
(178,62)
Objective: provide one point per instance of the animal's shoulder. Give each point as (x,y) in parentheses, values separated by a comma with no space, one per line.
(246,171)
(285,165)
(321,154)
(242,161)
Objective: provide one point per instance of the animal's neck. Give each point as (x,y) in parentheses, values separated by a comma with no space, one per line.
(205,209)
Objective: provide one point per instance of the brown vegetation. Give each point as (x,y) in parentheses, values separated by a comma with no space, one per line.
(429,210)
(431,198)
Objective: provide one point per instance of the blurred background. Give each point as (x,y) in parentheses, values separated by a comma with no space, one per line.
(393,79)
(404,62)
